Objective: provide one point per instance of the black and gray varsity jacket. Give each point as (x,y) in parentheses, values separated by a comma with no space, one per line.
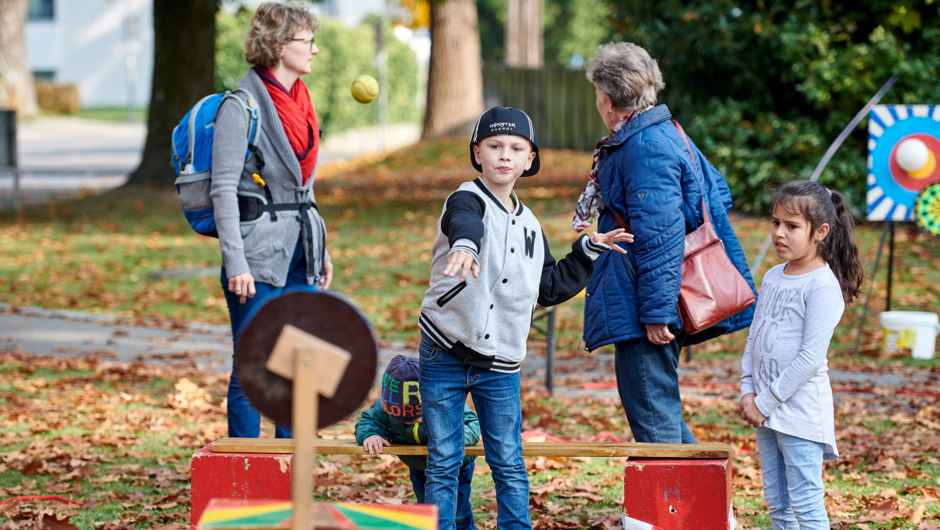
(484,321)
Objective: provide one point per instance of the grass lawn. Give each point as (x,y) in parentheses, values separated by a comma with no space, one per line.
(120,438)
(104,114)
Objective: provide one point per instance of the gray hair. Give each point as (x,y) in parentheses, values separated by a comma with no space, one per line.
(626,73)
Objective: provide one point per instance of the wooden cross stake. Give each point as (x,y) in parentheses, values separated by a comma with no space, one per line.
(316,368)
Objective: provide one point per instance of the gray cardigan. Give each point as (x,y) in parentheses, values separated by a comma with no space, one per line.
(262,247)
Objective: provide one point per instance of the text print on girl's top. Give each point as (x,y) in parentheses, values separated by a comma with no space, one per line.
(776,300)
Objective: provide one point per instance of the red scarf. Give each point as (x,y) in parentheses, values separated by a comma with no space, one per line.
(298,118)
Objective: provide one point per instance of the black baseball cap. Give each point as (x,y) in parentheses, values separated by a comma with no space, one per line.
(505,120)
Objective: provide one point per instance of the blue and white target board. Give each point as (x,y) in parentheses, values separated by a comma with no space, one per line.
(903,149)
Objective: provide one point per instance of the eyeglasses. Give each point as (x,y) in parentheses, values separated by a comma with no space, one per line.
(310,40)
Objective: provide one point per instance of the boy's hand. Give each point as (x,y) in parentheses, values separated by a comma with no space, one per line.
(373,444)
(614,236)
(753,415)
(461,260)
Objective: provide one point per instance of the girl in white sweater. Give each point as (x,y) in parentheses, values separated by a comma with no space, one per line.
(785,387)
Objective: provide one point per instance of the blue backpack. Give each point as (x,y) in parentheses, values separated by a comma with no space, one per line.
(192,156)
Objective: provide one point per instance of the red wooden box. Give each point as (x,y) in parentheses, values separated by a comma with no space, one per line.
(677,495)
(243,476)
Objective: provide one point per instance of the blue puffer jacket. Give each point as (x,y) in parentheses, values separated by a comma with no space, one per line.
(647,177)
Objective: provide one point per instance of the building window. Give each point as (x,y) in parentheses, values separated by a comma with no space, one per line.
(43,76)
(41,9)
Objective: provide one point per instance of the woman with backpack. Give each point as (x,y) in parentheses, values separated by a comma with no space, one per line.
(270,232)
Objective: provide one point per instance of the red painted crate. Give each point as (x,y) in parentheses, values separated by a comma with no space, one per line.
(243,476)
(677,495)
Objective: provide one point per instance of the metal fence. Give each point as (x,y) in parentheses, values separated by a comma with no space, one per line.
(560,102)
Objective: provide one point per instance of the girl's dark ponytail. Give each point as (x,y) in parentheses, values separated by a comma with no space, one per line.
(840,251)
(821,206)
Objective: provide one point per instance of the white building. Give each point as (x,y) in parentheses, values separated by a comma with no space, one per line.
(103,46)
(106,46)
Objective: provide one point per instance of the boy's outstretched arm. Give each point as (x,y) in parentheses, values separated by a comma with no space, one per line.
(564,279)
(462,223)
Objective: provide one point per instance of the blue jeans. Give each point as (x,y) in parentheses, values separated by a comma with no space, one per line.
(445,382)
(243,420)
(793,487)
(464,520)
(648,383)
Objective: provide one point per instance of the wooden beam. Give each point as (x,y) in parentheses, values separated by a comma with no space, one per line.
(557,449)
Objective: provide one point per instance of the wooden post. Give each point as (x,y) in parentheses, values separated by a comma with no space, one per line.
(533,33)
(890,262)
(513,8)
(305,398)
(315,367)
(523,40)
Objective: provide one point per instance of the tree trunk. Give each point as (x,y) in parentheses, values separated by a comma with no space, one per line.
(183,66)
(17,91)
(524,33)
(455,76)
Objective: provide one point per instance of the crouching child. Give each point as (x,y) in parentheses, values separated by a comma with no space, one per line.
(396,418)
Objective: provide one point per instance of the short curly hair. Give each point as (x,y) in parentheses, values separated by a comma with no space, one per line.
(272,27)
(626,73)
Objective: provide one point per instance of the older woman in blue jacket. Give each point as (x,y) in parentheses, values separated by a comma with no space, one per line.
(643,172)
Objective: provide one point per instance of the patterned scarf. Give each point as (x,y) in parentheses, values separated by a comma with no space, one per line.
(591,202)
(298,118)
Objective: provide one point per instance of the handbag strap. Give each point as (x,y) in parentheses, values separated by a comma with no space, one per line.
(694,169)
(620,220)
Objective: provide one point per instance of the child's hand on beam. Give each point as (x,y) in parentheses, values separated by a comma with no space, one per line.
(373,444)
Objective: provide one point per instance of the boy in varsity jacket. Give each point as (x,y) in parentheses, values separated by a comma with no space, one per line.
(490,265)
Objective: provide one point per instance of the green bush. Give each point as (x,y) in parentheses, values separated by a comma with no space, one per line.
(345,54)
(764,86)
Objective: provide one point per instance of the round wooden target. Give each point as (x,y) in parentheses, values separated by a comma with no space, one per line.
(326,316)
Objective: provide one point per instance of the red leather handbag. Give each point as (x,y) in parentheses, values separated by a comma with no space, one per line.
(712,287)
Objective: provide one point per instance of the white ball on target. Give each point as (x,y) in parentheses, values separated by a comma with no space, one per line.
(912,154)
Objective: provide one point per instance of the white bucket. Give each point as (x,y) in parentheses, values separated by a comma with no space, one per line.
(910,329)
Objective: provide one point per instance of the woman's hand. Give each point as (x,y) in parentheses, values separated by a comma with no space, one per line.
(659,334)
(373,444)
(327,278)
(461,260)
(614,236)
(242,285)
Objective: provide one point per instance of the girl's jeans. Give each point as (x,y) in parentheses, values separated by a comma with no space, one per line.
(445,382)
(243,420)
(793,485)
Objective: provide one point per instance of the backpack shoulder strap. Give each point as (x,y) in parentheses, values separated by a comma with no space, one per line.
(250,109)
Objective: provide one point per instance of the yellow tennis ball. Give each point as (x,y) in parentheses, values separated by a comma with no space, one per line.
(365,89)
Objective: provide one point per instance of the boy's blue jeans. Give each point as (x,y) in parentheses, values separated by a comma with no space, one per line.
(793,487)
(243,420)
(648,383)
(445,382)
(464,520)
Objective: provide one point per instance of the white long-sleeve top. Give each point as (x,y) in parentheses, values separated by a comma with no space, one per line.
(785,357)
